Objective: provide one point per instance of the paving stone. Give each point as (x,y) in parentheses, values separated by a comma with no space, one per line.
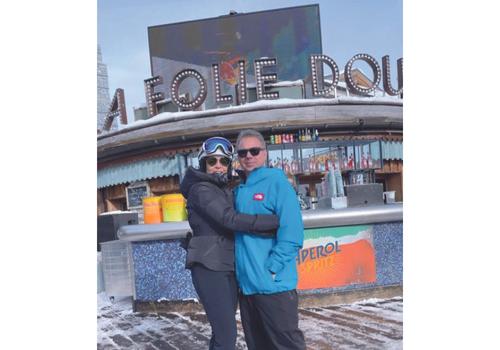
(140,338)
(163,345)
(121,341)
(149,347)
(375,324)
(124,326)
(106,347)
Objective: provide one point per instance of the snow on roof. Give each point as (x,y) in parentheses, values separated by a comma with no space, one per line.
(261,104)
(284,83)
(341,84)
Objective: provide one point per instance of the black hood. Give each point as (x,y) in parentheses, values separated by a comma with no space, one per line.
(194,176)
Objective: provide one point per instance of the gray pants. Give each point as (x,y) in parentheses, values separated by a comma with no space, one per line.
(218,292)
(271,321)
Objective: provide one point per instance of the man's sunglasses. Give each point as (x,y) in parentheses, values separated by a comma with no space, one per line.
(254,151)
(213,160)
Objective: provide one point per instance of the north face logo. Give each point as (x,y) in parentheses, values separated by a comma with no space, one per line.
(258,197)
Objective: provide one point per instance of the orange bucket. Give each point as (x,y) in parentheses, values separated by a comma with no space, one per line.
(152,210)
(174,207)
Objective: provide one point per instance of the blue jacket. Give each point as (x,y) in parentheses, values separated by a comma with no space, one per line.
(267,191)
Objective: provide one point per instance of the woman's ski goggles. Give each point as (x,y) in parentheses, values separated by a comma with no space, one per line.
(211,145)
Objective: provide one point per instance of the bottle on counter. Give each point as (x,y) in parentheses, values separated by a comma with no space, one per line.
(316,135)
(294,167)
(271,139)
(322,165)
(278,139)
(339,182)
(350,163)
(332,184)
(286,166)
(363,161)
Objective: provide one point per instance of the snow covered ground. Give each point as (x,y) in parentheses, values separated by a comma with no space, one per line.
(369,324)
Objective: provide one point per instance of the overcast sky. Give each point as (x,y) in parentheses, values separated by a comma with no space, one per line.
(348,27)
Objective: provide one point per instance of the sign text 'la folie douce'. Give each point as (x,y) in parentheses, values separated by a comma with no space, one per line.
(186,103)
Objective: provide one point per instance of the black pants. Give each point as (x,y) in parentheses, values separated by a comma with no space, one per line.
(218,292)
(271,321)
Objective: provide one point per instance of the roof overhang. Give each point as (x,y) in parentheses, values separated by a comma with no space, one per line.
(176,129)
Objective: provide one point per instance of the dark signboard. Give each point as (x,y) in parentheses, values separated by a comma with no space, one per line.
(135,194)
(290,35)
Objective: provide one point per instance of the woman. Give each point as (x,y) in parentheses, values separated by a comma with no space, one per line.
(210,252)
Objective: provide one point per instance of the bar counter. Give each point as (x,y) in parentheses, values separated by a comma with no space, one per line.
(344,250)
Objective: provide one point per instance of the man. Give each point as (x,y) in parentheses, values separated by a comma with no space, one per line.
(265,267)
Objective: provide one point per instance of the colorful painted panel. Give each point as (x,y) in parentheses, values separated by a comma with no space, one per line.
(336,257)
(290,35)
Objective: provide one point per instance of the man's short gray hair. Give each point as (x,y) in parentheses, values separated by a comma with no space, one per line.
(250,133)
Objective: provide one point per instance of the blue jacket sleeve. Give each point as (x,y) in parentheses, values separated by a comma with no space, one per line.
(290,235)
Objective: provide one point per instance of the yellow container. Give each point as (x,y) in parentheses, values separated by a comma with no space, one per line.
(173,207)
(152,210)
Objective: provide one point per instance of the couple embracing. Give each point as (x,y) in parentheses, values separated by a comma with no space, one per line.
(246,237)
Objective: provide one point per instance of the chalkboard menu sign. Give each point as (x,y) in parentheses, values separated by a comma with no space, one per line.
(135,194)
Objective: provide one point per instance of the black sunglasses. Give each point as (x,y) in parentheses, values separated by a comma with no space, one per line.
(213,160)
(254,151)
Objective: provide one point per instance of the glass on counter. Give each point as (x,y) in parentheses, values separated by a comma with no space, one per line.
(361,177)
(374,157)
(308,162)
(322,156)
(335,160)
(274,157)
(318,157)
(348,158)
(291,159)
(368,155)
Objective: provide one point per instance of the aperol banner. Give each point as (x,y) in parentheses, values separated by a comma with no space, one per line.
(336,257)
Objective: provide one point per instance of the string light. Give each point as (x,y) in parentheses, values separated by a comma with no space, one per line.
(386,67)
(259,64)
(116,108)
(242,86)
(216,79)
(151,96)
(200,96)
(373,65)
(315,59)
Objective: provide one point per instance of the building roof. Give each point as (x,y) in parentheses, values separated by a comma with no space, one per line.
(175,129)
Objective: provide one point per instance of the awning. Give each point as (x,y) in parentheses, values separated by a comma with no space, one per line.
(141,170)
(392,150)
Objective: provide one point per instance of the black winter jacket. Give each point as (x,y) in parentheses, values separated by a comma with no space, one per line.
(213,220)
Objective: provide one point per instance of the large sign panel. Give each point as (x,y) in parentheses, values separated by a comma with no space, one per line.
(336,257)
(289,35)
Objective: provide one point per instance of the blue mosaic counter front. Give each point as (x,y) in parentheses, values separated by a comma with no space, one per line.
(388,241)
(160,274)
(159,271)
